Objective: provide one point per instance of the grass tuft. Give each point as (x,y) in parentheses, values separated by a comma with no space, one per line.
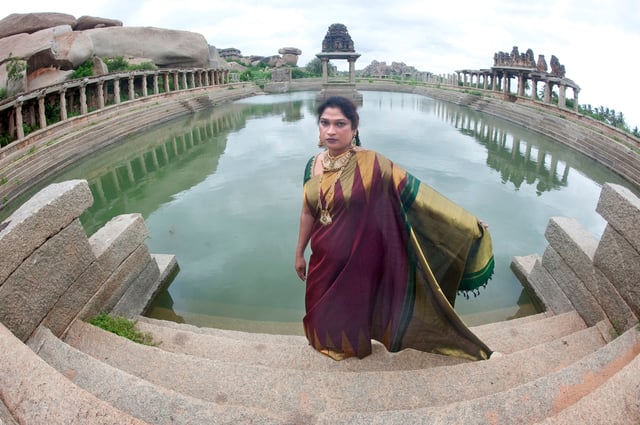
(123,327)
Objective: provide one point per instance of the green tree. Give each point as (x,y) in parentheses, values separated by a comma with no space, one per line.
(314,67)
(15,68)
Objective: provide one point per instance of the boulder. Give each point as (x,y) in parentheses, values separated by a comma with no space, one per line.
(72,49)
(215,61)
(18,23)
(290,55)
(58,46)
(44,77)
(24,46)
(91,22)
(99,67)
(271,61)
(290,51)
(290,59)
(167,48)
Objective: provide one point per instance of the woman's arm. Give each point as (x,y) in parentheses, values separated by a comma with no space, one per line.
(306,223)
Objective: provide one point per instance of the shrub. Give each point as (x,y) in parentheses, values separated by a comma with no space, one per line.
(116,64)
(123,327)
(84,70)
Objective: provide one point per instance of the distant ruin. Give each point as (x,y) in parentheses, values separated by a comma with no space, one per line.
(525,68)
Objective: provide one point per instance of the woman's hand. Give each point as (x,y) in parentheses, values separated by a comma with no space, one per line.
(301,267)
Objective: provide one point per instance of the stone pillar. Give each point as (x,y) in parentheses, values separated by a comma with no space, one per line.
(176,81)
(165,80)
(534,89)
(116,90)
(184,81)
(493,81)
(352,71)
(145,91)
(83,97)
(325,70)
(547,91)
(156,88)
(131,87)
(31,114)
(19,128)
(562,96)
(192,79)
(100,87)
(521,84)
(206,77)
(576,93)
(41,111)
(63,103)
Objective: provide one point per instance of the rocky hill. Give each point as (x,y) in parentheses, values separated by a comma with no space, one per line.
(40,49)
(396,69)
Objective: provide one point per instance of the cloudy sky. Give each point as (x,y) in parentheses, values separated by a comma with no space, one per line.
(596,41)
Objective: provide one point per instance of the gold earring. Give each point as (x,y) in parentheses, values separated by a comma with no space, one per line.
(320,143)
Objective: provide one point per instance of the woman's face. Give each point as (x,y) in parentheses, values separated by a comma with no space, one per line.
(335,130)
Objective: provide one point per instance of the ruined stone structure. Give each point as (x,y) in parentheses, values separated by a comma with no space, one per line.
(290,55)
(80,96)
(337,44)
(524,68)
(52,274)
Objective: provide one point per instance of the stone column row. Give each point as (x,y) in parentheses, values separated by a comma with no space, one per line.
(91,94)
(501,81)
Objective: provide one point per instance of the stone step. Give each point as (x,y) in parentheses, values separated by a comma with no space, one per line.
(36,393)
(505,337)
(617,401)
(6,418)
(510,336)
(137,397)
(297,354)
(313,391)
(528,403)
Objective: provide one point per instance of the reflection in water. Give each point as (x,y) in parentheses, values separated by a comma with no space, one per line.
(142,171)
(222,190)
(516,160)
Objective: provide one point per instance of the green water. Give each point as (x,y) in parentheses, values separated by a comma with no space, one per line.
(222,191)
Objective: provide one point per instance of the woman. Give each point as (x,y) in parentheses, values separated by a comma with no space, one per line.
(388,253)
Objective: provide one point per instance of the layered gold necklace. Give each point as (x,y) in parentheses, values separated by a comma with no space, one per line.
(330,164)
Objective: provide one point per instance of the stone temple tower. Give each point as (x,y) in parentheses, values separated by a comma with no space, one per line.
(337,44)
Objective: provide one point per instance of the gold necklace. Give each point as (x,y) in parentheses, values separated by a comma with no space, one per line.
(343,159)
(330,163)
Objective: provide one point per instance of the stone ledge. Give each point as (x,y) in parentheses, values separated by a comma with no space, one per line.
(44,215)
(45,396)
(280,390)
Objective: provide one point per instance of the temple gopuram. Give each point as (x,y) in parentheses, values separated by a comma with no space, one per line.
(337,44)
(524,68)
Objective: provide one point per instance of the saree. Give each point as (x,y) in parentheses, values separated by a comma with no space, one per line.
(390,265)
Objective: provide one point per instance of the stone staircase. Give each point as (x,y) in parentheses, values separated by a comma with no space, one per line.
(577,362)
(553,369)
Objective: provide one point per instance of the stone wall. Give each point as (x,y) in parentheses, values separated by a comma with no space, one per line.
(51,273)
(600,279)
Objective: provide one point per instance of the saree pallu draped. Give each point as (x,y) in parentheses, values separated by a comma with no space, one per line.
(390,265)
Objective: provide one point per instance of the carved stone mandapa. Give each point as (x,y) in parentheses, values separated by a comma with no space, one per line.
(337,39)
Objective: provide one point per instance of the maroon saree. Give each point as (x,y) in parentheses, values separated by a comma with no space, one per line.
(390,265)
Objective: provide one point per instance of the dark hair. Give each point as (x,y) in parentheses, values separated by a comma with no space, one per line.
(348,109)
